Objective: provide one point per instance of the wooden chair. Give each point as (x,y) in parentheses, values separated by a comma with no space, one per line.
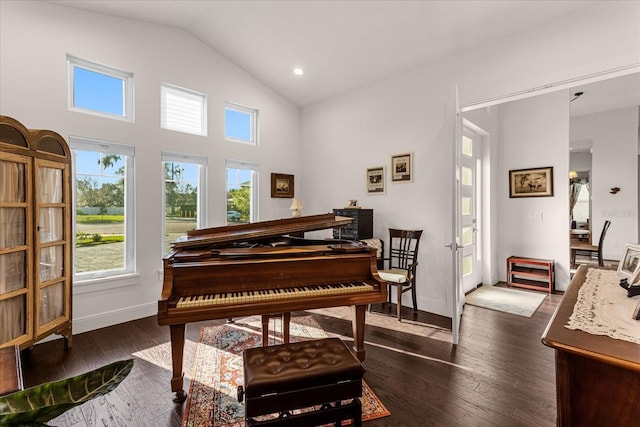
(402,264)
(588,250)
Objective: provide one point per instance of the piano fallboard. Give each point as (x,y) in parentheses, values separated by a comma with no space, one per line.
(221,274)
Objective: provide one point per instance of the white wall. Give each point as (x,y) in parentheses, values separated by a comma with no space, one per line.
(35,38)
(534,133)
(344,135)
(614,164)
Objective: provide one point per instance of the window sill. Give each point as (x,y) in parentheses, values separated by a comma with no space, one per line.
(104,283)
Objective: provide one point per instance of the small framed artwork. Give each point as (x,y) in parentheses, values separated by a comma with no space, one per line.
(536,182)
(375,180)
(402,167)
(629,266)
(282,185)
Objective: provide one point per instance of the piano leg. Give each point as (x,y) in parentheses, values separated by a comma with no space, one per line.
(357,323)
(177,350)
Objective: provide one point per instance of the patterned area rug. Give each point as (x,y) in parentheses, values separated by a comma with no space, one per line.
(521,303)
(217,371)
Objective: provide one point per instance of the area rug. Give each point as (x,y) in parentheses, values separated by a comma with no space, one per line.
(514,301)
(217,371)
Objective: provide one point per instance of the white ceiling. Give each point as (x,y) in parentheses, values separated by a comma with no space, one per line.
(340,44)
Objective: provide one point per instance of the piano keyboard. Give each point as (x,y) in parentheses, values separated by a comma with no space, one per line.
(273,294)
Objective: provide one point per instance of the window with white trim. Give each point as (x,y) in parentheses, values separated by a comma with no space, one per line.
(183,110)
(240,124)
(242,192)
(99,89)
(104,208)
(185,178)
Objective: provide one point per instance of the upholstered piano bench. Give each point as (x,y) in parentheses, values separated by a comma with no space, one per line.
(315,376)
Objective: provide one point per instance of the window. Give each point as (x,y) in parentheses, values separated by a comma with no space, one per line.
(99,90)
(242,192)
(240,124)
(183,110)
(103,214)
(184,195)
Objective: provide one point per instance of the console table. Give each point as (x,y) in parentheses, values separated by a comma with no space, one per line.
(597,377)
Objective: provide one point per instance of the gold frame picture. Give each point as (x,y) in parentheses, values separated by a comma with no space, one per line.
(375,180)
(402,167)
(282,185)
(537,182)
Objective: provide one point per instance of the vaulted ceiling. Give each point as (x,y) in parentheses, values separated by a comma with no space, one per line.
(340,45)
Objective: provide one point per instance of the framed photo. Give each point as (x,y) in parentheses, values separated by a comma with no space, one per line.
(531,182)
(375,180)
(281,185)
(402,167)
(629,266)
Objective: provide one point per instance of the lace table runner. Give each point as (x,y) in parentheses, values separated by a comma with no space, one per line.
(603,308)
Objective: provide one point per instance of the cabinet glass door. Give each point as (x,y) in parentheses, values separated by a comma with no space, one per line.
(15,251)
(52,229)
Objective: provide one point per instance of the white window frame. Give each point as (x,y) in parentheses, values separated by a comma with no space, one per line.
(201,161)
(126,77)
(90,144)
(184,95)
(254,123)
(255,172)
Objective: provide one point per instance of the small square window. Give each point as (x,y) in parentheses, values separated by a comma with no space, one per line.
(100,90)
(183,110)
(240,124)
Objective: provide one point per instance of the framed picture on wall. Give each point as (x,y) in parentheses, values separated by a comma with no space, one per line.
(282,185)
(536,182)
(375,180)
(402,167)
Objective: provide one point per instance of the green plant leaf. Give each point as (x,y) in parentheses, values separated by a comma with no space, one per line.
(39,404)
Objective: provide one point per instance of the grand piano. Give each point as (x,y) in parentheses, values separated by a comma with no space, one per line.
(261,268)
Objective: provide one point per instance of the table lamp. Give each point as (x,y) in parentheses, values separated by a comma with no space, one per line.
(296,207)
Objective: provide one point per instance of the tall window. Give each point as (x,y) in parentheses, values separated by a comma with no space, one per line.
(242,192)
(104,225)
(184,195)
(99,90)
(183,110)
(240,124)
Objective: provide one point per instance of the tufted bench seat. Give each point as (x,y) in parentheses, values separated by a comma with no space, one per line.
(318,373)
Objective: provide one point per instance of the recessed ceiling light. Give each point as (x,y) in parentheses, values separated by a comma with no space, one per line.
(298,71)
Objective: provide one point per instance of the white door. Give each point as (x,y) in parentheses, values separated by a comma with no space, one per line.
(469,208)
(455,246)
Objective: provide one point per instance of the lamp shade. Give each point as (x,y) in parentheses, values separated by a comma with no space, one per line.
(295,205)
(573,174)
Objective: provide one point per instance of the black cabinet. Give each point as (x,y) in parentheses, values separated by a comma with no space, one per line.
(360,228)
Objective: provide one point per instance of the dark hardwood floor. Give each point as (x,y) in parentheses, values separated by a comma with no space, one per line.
(500,374)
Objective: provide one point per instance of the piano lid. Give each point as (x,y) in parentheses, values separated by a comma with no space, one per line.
(260,230)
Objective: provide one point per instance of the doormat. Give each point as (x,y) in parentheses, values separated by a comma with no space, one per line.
(514,301)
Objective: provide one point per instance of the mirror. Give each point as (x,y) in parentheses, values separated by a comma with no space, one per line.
(603,156)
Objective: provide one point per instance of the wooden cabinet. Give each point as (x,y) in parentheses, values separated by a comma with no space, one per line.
(360,228)
(531,273)
(35,235)
(597,377)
